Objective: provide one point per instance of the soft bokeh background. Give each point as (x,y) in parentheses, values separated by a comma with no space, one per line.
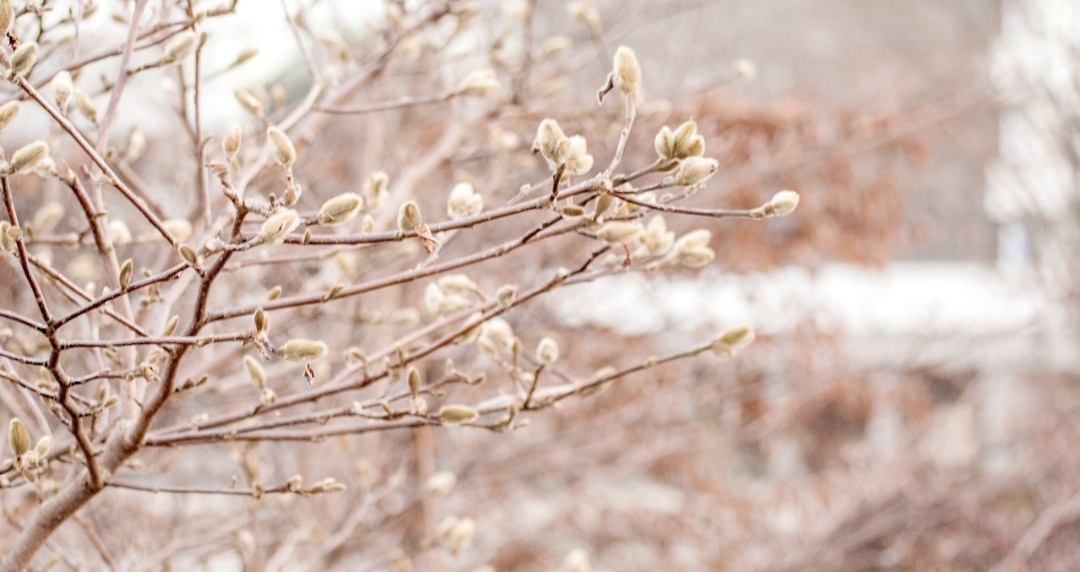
(911,400)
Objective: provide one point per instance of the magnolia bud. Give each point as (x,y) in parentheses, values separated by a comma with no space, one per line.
(63,88)
(181,46)
(627,73)
(7,16)
(619,232)
(408,217)
(23,59)
(86,105)
(547,351)
(278,226)
(8,111)
(255,371)
(284,152)
(454,415)
(231,143)
(18,437)
(730,341)
(695,170)
(463,202)
(480,83)
(340,209)
(302,350)
(782,203)
(29,157)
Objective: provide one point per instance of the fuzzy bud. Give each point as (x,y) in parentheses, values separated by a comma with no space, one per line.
(278,226)
(262,321)
(619,232)
(188,254)
(255,371)
(179,48)
(782,203)
(547,351)
(506,295)
(463,202)
(626,74)
(695,170)
(681,143)
(552,143)
(125,274)
(7,16)
(302,350)
(480,83)
(86,105)
(284,152)
(18,437)
(454,415)
(408,217)
(178,227)
(24,59)
(63,88)
(43,446)
(375,191)
(339,209)
(730,341)
(8,111)
(234,137)
(579,161)
(29,157)
(692,249)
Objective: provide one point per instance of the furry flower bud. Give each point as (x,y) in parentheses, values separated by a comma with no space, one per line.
(284,152)
(234,137)
(24,59)
(695,170)
(463,202)
(278,226)
(8,111)
(409,217)
(340,209)
(63,88)
(454,415)
(782,203)
(626,74)
(302,350)
(29,157)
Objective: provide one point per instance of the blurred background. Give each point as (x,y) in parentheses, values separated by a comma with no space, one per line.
(911,401)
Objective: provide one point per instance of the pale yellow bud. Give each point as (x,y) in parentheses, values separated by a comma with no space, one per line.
(281,145)
(782,203)
(125,274)
(278,226)
(463,202)
(626,74)
(458,284)
(547,351)
(24,59)
(339,209)
(43,446)
(85,105)
(657,239)
(29,157)
(555,46)
(249,102)
(262,321)
(409,217)
(302,350)
(579,161)
(619,232)
(506,295)
(234,137)
(18,437)
(7,16)
(480,83)
(695,170)
(8,111)
(180,47)
(375,191)
(552,143)
(730,341)
(454,415)
(63,88)
(255,371)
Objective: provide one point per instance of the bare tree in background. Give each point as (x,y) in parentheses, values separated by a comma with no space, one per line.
(208,320)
